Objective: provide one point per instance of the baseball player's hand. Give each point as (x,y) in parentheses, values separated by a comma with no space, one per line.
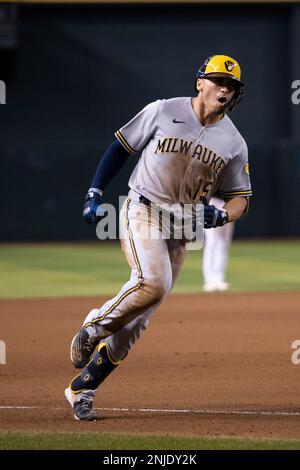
(214,217)
(92,211)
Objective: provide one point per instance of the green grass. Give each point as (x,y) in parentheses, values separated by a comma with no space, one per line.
(62,269)
(253,266)
(105,441)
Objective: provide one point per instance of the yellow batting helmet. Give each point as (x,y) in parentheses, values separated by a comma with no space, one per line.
(223,66)
(220,66)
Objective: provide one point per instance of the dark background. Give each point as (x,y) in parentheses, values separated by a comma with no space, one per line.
(75,74)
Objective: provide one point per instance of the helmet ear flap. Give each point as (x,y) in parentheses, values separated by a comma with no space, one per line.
(240,91)
(237,98)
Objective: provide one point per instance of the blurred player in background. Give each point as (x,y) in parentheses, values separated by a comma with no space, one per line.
(215,254)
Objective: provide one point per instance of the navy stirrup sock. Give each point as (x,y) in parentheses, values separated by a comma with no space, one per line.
(96,371)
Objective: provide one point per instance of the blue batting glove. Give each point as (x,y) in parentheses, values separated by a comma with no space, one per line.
(214,217)
(92,212)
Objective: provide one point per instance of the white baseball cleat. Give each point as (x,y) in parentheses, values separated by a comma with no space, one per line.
(82,404)
(222,286)
(219,286)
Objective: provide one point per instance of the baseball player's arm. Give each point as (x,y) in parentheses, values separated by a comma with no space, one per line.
(233,209)
(110,164)
(130,139)
(236,207)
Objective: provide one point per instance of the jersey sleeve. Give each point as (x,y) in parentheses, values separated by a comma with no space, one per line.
(137,132)
(234,179)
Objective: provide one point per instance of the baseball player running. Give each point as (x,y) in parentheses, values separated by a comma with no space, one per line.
(190,150)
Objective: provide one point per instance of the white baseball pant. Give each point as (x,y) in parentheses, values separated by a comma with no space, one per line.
(155,264)
(216,247)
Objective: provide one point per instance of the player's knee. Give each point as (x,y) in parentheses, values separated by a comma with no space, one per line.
(156,290)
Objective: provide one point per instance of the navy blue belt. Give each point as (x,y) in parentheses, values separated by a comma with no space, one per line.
(144,200)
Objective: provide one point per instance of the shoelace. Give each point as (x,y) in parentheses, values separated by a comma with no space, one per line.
(85,405)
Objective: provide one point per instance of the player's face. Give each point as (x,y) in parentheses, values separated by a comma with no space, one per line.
(216,93)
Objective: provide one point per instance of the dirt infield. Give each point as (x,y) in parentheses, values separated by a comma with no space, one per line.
(213,365)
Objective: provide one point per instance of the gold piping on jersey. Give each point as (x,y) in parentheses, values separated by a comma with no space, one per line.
(124,142)
(141,278)
(246,192)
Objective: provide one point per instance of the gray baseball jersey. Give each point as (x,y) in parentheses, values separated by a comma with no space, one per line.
(183,161)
